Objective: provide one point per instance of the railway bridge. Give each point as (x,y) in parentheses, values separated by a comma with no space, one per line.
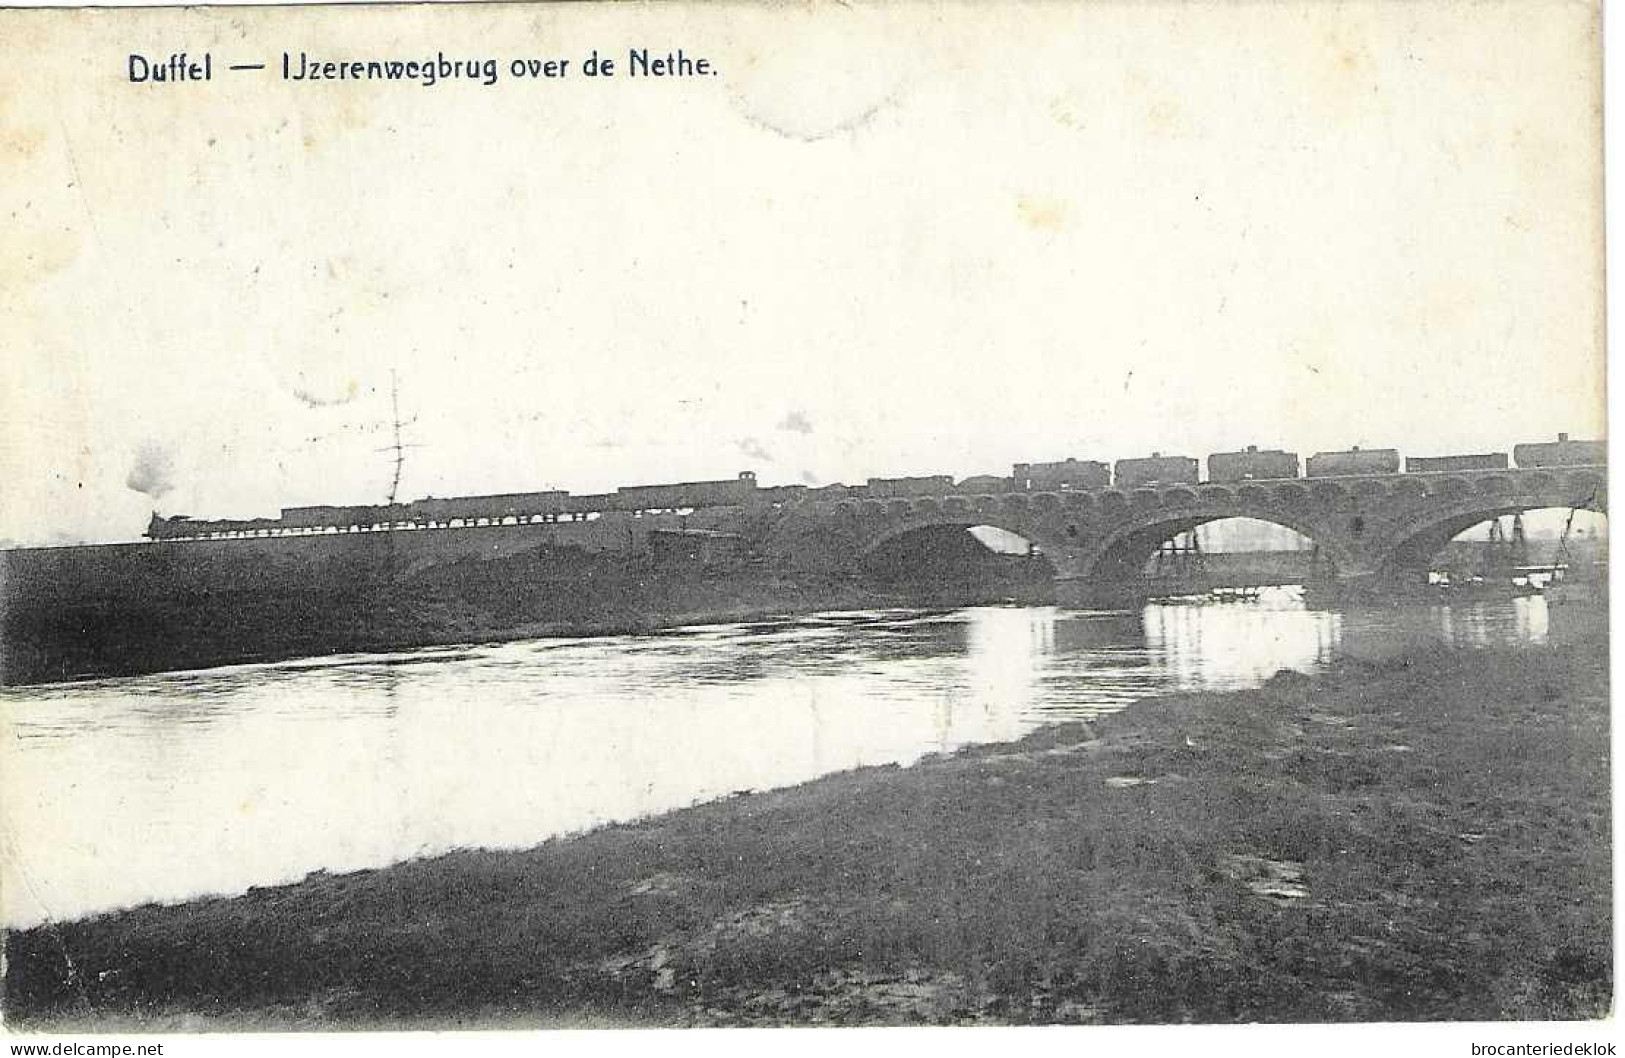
(1371,531)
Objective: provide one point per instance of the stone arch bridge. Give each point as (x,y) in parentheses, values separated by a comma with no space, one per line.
(1369,530)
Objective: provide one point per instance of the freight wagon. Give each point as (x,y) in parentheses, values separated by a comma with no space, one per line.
(782,494)
(1158,469)
(181,527)
(723,493)
(493,508)
(1561,453)
(1252,465)
(888,488)
(600,501)
(1447,464)
(1066,474)
(311,517)
(986,484)
(1356,460)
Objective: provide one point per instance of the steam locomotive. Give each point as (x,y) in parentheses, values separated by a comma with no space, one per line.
(1065,475)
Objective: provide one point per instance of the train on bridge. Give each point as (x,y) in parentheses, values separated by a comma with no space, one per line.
(1250,464)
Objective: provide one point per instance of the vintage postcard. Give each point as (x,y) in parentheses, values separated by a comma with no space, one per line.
(528,515)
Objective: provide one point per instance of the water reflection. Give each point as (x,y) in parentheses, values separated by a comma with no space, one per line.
(120,791)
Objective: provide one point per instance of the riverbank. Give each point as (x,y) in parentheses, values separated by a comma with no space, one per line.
(1421,838)
(80,613)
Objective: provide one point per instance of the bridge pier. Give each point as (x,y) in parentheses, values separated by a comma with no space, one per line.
(1353,586)
(1091,594)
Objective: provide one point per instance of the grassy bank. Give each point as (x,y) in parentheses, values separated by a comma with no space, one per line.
(1424,839)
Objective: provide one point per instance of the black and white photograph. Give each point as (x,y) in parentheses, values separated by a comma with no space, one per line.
(596,516)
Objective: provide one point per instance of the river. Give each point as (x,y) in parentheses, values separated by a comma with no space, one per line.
(161,788)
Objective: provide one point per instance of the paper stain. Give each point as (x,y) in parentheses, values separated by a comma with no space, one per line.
(1042,214)
(53,188)
(1350,53)
(1062,112)
(345,395)
(1167,117)
(21,142)
(791,95)
(806,126)
(31,260)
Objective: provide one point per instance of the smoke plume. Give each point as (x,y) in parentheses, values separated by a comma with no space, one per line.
(753,448)
(151,473)
(796,422)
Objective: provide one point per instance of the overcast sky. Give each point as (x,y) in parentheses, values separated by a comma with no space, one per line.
(923,239)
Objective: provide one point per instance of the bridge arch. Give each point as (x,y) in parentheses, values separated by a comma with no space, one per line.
(952,560)
(1119,555)
(1028,529)
(1414,541)
(1363,529)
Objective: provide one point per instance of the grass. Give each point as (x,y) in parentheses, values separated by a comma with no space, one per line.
(1423,839)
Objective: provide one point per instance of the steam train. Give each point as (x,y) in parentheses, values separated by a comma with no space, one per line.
(502,508)
(1065,475)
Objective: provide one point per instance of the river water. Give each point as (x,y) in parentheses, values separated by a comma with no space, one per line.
(123,791)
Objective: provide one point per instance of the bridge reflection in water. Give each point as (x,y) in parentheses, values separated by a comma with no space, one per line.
(359,761)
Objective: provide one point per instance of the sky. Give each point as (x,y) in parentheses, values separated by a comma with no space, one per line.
(909,239)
